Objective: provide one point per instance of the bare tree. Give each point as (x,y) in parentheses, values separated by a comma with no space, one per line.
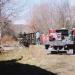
(6,14)
(2,19)
(52,15)
(64,14)
(40,18)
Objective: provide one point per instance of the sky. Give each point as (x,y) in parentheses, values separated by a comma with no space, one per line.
(72,2)
(25,9)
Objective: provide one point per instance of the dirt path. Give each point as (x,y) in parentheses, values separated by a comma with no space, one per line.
(36,55)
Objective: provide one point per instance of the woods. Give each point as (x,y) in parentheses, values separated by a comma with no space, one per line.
(44,16)
(54,15)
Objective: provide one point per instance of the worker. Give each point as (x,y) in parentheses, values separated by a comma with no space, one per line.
(37,37)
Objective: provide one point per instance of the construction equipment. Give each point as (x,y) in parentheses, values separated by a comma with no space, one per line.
(27,39)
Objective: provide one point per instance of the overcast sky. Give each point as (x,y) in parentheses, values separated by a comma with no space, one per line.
(27,5)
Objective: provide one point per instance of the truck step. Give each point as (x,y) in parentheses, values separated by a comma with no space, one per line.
(58,52)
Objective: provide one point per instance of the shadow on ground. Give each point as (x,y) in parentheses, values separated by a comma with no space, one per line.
(12,67)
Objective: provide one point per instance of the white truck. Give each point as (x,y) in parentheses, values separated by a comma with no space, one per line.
(62,44)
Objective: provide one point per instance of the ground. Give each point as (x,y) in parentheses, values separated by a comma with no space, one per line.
(36,55)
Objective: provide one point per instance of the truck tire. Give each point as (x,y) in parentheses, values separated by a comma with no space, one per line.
(46,46)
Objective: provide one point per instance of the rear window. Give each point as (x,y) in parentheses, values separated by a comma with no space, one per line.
(63,32)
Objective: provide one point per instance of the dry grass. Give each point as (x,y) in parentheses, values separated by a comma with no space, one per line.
(7,39)
(36,55)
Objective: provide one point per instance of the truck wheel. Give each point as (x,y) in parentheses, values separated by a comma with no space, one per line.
(46,46)
(73,51)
